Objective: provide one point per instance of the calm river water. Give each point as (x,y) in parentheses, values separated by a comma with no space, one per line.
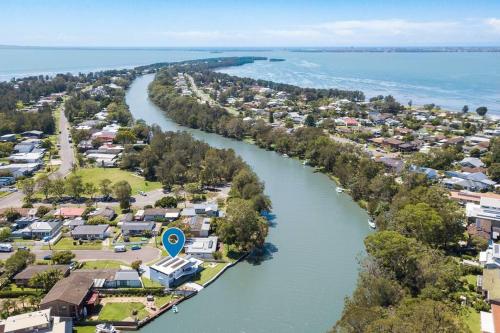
(312,248)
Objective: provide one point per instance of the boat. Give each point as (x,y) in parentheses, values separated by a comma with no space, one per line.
(339,189)
(285,155)
(105,328)
(175,309)
(372,224)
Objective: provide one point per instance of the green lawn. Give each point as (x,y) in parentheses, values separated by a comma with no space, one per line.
(14,287)
(95,175)
(66,243)
(102,264)
(208,272)
(121,311)
(84,329)
(473,320)
(471,279)
(160,301)
(149,283)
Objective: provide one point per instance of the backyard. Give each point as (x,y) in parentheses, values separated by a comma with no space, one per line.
(95,175)
(209,271)
(102,264)
(121,311)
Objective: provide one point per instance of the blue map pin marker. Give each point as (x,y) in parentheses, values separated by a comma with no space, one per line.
(173,240)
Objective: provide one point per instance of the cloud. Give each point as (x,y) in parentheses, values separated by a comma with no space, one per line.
(493,23)
(396,31)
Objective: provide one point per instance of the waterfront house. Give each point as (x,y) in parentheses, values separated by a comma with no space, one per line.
(485,217)
(73,296)
(201,248)
(22,278)
(476,181)
(124,279)
(90,232)
(171,272)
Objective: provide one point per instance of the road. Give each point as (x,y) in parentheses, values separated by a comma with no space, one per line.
(67,159)
(146,254)
(66,150)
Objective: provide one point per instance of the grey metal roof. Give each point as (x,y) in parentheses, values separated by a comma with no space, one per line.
(127,275)
(90,229)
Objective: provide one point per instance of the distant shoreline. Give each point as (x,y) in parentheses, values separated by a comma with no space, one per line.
(318,49)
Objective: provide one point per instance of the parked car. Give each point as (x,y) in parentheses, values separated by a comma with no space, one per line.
(120,248)
(47,257)
(142,193)
(23,248)
(136,247)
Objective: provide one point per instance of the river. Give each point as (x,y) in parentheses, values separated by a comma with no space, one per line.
(312,248)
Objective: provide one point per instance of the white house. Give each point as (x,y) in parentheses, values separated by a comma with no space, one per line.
(172,271)
(202,248)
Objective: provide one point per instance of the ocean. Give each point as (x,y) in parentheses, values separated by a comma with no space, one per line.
(447,79)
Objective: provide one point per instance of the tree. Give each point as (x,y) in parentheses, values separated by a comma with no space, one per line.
(28,189)
(44,184)
(166,202)
(57,188)
(242,226)
(11,215)
(90,189)
(74,186)
(482,110)
(4,234)
(309,121)
(63,257)
(42,210)
(46,279)
(105,187)
(419,221)
(136,265)
(465,109)
(123,192)
(94,220)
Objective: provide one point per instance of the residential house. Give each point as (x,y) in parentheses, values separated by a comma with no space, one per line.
(428,172)
(490,321)
(25,147)
(172,214)
(201,248)
(39,321)
(188,212)
(33,134)
(20,169)
(464,196)
(124,279)
(138,228)
(69,212)
(198,225)
(22,278)
(26,157)
(476,181)
(73,223)
(90,232)
(209,209)
(471,162)
(106,212)
(154,214)
(392,165)
(6,181)
(171,272)
(73,296)
(42,229)
(484,218)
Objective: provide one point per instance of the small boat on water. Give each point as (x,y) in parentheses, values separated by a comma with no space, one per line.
(105,328)
(285,155)
(372,224)
(175,309)
(339,189)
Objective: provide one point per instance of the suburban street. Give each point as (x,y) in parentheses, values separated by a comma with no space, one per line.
(65,151)
(146,254)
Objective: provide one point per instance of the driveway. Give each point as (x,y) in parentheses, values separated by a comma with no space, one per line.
(146,254)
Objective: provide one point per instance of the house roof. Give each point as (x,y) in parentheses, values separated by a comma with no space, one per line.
(141,226)
(32,270)
(70,211)
(90,229)
(491,283)
(72,289)
(127,275)
(27,321)
(154,211)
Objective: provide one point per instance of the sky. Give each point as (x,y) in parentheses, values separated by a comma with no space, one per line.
(256,23)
